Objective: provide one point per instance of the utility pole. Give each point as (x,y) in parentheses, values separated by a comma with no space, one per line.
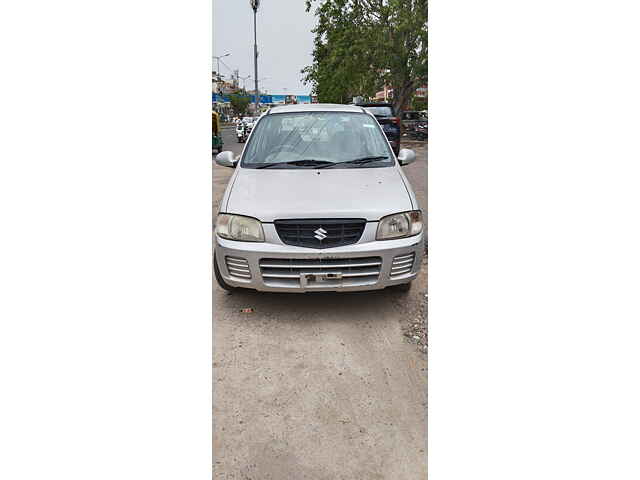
(218,59)
(254,5)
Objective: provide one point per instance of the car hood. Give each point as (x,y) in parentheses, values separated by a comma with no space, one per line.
(269,195)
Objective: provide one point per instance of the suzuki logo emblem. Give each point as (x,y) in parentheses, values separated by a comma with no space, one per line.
(320,234)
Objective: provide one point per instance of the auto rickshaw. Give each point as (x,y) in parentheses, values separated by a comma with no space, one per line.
(217,134)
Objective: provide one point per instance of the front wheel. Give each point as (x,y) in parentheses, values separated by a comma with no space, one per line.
(403,287)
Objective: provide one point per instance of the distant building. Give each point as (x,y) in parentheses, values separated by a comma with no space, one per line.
(386,95)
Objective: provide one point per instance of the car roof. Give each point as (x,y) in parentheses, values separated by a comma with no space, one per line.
(315,107)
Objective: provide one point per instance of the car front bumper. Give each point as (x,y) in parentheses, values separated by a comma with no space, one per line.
(273,267)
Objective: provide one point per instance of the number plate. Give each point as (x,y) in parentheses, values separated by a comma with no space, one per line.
(320,279)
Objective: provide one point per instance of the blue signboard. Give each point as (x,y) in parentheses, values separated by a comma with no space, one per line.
(219,98)
(264,99)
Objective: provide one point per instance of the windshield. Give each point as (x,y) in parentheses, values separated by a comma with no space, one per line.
(314,139)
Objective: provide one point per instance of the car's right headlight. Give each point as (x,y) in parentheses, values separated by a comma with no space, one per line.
(400,225)
(240,228)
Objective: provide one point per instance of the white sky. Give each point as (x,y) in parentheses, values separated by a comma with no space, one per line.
(285,42)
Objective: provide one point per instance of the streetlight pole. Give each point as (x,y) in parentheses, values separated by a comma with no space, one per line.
(244,82)
(218,59)
(254,5)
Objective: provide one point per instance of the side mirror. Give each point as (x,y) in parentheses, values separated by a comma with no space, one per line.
(405,157)
(225,159)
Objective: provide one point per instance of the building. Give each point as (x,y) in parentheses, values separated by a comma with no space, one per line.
(386,95)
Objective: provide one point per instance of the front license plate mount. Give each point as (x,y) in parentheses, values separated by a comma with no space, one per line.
(310,279)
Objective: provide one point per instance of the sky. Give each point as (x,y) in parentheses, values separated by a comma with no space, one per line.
(285,42)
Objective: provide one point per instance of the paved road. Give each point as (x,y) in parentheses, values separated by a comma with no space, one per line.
(318,386)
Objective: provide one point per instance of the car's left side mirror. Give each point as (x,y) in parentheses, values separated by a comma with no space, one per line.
(226,159)
(405,156)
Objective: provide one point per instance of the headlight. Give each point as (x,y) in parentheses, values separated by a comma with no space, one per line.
(400,225)
(237,227)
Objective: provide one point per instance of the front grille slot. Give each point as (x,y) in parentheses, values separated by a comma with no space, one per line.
(335,232)
(285,272)
(238,267)
(402,265)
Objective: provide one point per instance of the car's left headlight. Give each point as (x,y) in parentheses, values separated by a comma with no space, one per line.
(240,228)
(400,225)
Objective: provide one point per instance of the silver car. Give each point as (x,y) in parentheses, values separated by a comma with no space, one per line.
(318,202)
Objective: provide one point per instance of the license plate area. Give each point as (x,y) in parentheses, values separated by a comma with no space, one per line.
(320,279)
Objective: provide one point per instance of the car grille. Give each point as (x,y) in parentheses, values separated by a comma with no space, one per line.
(238,267)
(319,232)
(402,265)
(285,272)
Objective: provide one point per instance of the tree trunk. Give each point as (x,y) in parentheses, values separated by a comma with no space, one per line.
(402,95)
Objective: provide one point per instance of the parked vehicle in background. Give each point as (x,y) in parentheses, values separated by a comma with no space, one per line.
(415,125)
(318,202)
(388,120)
(416,131)
(410,117)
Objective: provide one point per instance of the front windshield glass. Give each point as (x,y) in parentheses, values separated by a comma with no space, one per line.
(317,140)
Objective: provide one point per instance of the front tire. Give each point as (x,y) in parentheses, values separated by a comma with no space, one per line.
(403,287)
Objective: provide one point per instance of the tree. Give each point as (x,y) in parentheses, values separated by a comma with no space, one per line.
(419,103)
(239,103)
(362,45)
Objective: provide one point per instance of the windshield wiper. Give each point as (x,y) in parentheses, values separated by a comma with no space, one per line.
(357,161)
(301,163)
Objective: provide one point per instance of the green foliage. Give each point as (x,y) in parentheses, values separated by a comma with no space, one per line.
(419,104)
(361,45)
(239,103)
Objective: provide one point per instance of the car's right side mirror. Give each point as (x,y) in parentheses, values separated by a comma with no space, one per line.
(226,159)
(406,156)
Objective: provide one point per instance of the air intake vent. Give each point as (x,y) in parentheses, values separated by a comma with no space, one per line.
(238,267)
(402,265)
(354,272)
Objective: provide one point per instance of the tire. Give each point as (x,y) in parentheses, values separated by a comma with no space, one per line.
(223,285)
(403,287)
